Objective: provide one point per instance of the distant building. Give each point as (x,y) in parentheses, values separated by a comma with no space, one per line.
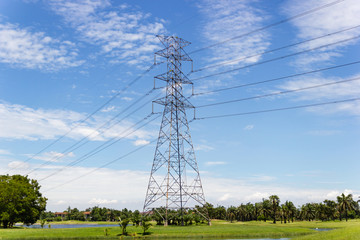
(61,214)
(87,215)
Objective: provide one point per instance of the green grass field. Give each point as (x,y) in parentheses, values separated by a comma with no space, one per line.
(219,229)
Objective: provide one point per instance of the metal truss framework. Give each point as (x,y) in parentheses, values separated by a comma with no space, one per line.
(174,182)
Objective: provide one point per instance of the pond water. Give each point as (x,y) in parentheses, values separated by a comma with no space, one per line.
(322,229)
(69,225)
(257,239)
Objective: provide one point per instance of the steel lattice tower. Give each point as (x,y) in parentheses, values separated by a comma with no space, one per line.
(174,182)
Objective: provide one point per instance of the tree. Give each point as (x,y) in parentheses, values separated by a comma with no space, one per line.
(123,224)
(308,211)
(345,204)
(99,214)
(274,203)
(136,218)
(291,210)
(145,224)
(20,200)
(330,209)
(265,208)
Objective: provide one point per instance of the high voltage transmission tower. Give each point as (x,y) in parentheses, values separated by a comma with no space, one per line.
(174,182)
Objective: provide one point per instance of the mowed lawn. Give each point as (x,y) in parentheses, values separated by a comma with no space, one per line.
(219,229)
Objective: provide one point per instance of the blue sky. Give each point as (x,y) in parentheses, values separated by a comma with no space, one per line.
(61,61)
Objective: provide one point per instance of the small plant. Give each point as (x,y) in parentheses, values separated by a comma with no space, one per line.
(42,222)
(145,225)
(107,231)
(123,224)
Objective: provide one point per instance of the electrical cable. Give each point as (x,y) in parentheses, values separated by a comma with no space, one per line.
(275,59)
(276,79)
(102,166)
(272,50)
(279,93)
(89,116)
(269,26)
(278,109)
(75,147)
(104,145)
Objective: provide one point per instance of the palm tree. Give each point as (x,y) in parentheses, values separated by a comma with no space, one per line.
(274,203)
(265,208)
(329,209)
(345,204)
(308,211)
(291,210)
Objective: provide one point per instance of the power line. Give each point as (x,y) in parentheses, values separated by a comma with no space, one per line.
(272,50)
(279,93)
(277,58)
(102,166)
(279,109)
(104,145)
(277,79)
(77,146)
(270,25)
(89,116)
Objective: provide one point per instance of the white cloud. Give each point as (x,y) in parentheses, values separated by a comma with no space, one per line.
(249,127)
(215,163)
(234,192)
(324,132)
(128,99)
(99,187)
(228,18)
(23,48)
(52,156)
(60,202)
(20,165)
(108,109)
(102,201)
(4,152)
(21,122)
(124,36)
(203,147)
(341,91)
(331,19)
(141,142)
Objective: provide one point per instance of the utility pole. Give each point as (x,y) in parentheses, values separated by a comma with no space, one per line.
(174,182)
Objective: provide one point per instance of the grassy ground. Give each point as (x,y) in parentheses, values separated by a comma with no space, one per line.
(219,229)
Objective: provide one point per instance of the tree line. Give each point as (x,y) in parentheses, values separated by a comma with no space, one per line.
(344,207)
(21,201)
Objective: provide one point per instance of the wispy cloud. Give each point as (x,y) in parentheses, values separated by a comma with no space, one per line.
(127,99)
(19,165)
(335,18)
(99,201)
(324,132)
(345,90)
(4,152)
(215,163)
(52,156)
(203,147)
(23,48)
(21,122)
(141,142)
(228,18)
(108,109)
(249,127)
(124,35)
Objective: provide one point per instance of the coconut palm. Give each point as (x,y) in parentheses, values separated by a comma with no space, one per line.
(308,211)
(345,204)
(291,210)
(274,203)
